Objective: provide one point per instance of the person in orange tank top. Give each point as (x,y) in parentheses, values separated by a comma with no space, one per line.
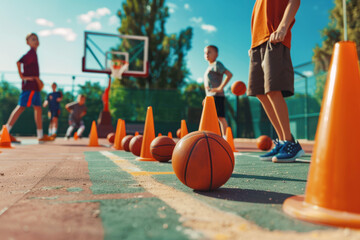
(271,74)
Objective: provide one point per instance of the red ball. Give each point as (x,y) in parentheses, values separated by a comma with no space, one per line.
(111,137)
(125,142)
(178,133)
(162,148)
(264,142)
(135,145)
(238,88)
(203,160)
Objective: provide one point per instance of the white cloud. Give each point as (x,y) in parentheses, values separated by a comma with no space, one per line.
(187,6)
(199,80)
(208,28)
(94,26)
(113,20)
(44,22)
(308,73)
(196,20)
(67,33)
(172,7)
(90,15)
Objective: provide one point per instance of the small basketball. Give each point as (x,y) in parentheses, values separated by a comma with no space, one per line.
(178,133)
(135,145)
(111,137)
(264,142)
(162,148)
(125,142)
(238,88)
(203,160)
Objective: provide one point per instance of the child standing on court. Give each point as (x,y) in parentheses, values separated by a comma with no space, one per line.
(271,74)
(77,111)
(31,87)
(214,83)
(53,100)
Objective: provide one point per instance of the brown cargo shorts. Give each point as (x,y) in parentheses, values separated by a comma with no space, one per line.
(271,69)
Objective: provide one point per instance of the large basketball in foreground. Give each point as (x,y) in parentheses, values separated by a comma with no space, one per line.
(135,145)
(264,142)
(203,160)
(238,88)
(125,142)
(162,148)
(111,137)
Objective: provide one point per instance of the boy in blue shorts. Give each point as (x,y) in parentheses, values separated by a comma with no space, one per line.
(214,83)
(77,111)
(53,100)
(31,87)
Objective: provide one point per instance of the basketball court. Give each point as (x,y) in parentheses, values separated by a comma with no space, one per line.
(67,190)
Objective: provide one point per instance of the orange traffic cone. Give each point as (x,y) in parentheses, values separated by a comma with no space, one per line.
(149,135)
(5,141)
(230,139)
(76,137)
(170,135)
(159,135)
(332,194)
(209,119)
(93,137)
(136,133)
(120,134)
(183,129)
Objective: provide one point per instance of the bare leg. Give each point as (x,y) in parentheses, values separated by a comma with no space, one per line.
(38,117)
(223,124)
(279,105)
(15,114)
(55,122)
(269,110)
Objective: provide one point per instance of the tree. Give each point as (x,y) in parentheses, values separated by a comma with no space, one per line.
(333,33)
(167,53)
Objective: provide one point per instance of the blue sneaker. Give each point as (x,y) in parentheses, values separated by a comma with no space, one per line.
(289,152)
(268,156)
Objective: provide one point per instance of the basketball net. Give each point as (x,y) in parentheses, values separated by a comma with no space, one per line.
(118,67)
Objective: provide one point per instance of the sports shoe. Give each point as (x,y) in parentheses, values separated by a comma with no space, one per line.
(53,136)
(268,156)
(289,152)
(46,138)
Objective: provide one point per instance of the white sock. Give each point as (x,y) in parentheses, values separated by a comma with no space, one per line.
(39,133)
(49,131)
(54,131)
(69,131)
(81,130)
(8,127)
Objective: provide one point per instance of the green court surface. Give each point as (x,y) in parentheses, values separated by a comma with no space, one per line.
(255,192)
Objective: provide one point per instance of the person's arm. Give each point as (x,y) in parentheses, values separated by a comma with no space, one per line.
(83,113)
(67,107)
(59,99)
(223,83)
(19,70)
(288,17)
(39,83)
(45,103)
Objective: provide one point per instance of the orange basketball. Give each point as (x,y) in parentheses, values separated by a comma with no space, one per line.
(203,160)
(162,148)
(125,142)
(111,137)
(178,133)
(264,142)
(238,88)
(135,145)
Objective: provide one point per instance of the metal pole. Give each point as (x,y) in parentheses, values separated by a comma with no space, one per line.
(72,87)
(345,22)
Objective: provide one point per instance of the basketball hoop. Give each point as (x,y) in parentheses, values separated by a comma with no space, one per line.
(118,67)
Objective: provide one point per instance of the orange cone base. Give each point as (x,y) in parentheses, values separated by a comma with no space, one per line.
(5,145)
(297,207)
(146,159)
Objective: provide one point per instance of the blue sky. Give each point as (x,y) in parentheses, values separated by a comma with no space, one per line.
(60,25)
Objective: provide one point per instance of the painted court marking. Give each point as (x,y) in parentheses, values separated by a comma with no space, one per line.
(210,221)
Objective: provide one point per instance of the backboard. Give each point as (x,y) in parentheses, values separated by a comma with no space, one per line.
(101,48)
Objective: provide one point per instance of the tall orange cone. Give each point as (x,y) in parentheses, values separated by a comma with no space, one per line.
(170,135)
(93,137)
(209,119)
(332,194)
(5,141)
(230,139)
(183,129)
(149,135)
(119,134)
